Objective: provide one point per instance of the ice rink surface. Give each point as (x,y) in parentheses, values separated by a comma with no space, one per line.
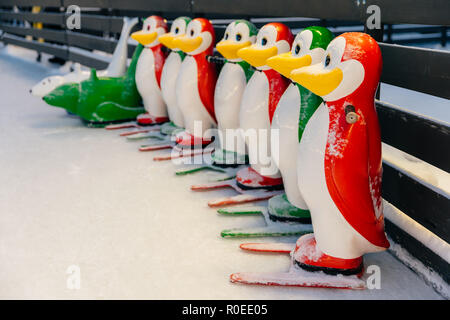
(71,195)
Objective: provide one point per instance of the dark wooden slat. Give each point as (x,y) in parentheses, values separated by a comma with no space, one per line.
(433,12)
(44,17)
(426,206)
(423,70)
(325,9)
(87,60)
(53,49)
(418,250)
(25,3)
(421,137)
(145,5)
(76,39)
(47,34)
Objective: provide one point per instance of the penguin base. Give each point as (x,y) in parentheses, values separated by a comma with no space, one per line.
(187,140)
(228,159)
(248,179)
(170,128)
(296,276)
(308,257)
(280,209)
(145,119)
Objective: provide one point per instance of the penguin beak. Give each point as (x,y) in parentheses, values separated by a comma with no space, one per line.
(187,44)
(167,40)
(284,63)
(144,38)
(317,79)
(257,57)
(229,49)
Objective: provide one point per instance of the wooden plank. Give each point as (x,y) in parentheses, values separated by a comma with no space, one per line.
(419,136)
(431,12)
(44,17)
(47,34)
(418,201)
(144,5)
(26,3)
(87,60)
(53,49)
(324,9)
(86,41)
(419,69)
(418,250)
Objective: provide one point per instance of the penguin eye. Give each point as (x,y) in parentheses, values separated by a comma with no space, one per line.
(192,33)
(226,36)
(148,28)
(177,30)
(238,37)
(263,41)
(297,49)
(327,60)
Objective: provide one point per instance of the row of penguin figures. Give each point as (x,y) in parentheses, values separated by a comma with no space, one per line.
(317,90)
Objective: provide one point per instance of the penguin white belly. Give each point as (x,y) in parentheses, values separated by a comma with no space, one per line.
(168,80)
(227,102)
(147,85)
(284,149)
(255,123)
(188,98)
(334,235)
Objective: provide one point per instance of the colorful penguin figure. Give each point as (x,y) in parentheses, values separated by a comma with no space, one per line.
(170,72)
(196,82)
(292,113)
(149,69)
(294,109)
(229,90)
(258,104)
(339,158)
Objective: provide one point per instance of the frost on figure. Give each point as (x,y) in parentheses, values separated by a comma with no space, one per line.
(340,160)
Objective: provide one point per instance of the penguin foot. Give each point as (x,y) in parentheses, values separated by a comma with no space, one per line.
(145,119)
(280,209)
(308,257)
(187,140)
(248,179)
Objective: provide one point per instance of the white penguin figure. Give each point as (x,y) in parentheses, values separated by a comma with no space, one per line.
(229,90)
(149,69)
(171,69)
(258,104)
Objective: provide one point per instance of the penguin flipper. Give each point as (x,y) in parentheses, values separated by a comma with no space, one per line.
(353,178)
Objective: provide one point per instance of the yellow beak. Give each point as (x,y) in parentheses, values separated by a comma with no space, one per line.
(143,37)
(229,49)
(284,63)
(255,56)
(167,40)
(186,44)
(319,81)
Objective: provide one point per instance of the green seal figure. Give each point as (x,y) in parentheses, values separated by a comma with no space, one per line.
(99,101)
